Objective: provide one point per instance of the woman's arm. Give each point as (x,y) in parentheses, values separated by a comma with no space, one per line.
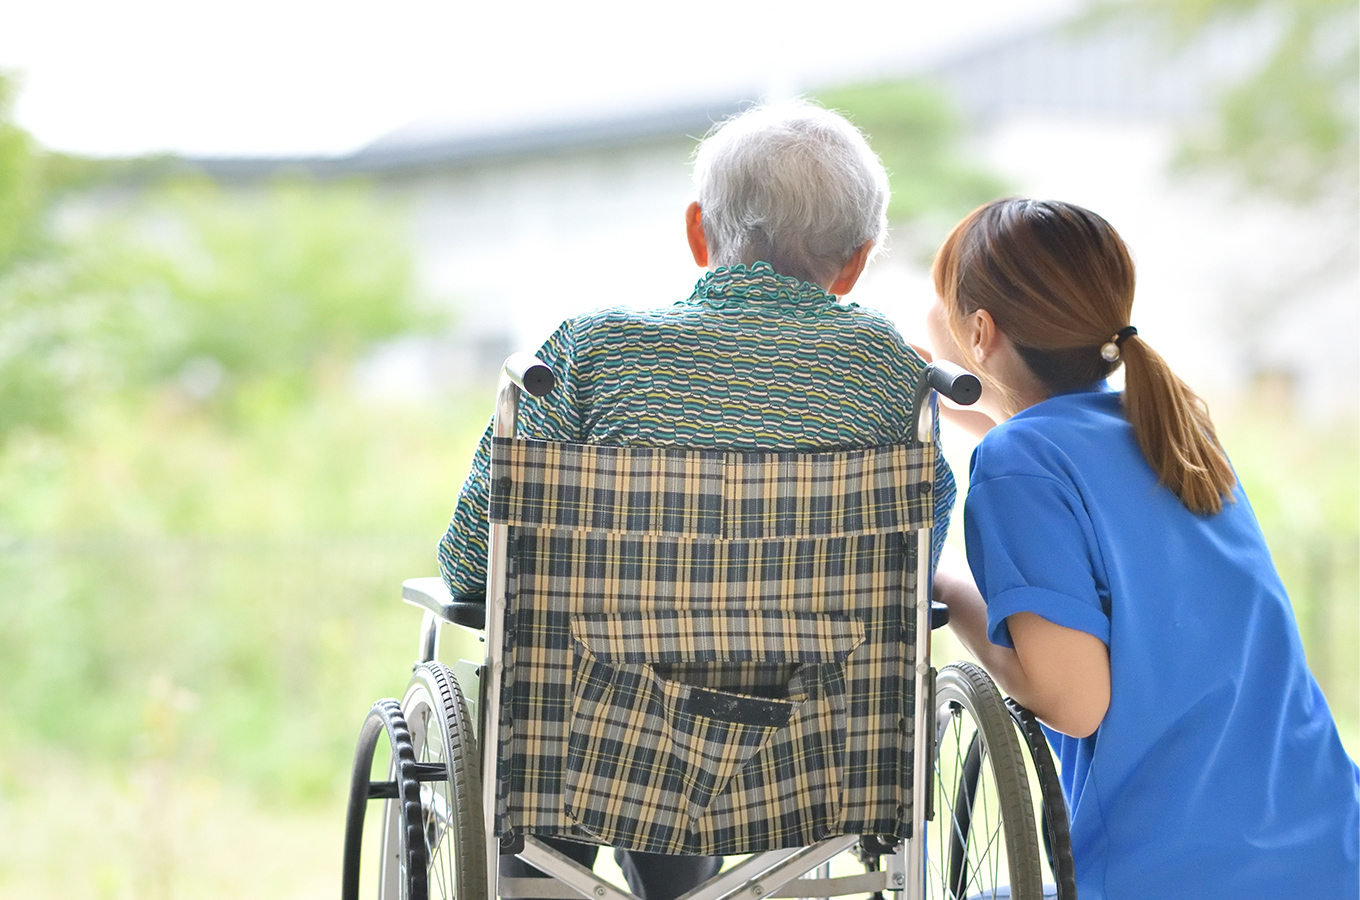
(974,422)
(1060,674)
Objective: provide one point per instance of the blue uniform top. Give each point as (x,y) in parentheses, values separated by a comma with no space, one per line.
(1217,771)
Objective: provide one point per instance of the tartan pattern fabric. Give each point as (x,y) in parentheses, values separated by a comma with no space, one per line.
(708,652)
(702,636)
(600,488)
(709,493)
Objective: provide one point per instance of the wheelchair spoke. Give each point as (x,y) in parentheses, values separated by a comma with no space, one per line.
(985,853)
(438,813)
(438,810)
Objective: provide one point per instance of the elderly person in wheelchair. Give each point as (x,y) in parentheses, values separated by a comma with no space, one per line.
(762,355)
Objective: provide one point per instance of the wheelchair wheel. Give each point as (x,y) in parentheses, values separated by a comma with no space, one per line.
(1060,882)
(451,808)
(402,824)
(431,843)
(983,842)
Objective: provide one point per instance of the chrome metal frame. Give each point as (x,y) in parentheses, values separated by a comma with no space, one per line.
(923,759)
(493,670)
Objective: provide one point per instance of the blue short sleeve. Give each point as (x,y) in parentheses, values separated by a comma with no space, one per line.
(1030,548)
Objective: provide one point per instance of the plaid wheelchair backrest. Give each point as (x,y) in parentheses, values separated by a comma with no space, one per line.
(708,651)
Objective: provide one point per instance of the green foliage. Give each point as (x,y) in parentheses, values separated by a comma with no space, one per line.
(179,445)
(1302,481)
(1291,127)
(228,299)
(272,285)
(179,449)
(22,184)
(220,596)
(161,281)
(919,137)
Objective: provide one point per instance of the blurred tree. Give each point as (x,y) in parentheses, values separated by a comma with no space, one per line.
(34,373)
(919,137)
(231,291)
(22,183)
(1291,126)
(186,287)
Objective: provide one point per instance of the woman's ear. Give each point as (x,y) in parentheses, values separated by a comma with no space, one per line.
(984,338)
(694,232)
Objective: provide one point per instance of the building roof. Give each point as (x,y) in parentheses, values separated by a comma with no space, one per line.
(444,142)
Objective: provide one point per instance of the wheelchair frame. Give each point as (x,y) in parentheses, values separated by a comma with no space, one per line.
(762,875)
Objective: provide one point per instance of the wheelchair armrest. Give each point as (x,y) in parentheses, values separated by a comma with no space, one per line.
(939,615)
(430,593)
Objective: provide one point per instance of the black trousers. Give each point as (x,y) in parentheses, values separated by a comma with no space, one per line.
(652,876)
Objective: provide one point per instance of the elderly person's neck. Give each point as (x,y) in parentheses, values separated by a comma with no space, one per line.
(839,283)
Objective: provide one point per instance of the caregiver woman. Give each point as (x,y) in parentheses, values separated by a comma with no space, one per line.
(1121,588)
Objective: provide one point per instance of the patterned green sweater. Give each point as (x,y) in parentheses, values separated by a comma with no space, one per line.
(751,361)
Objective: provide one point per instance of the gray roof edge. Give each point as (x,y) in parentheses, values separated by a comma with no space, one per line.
(384,157)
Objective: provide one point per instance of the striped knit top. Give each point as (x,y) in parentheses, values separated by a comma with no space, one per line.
(751,361)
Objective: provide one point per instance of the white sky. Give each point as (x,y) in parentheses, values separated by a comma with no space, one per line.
(310,77)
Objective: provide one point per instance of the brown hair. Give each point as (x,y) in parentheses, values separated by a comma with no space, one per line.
(1058,281)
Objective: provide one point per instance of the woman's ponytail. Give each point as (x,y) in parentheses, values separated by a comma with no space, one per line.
(1058,281)
(1174,431)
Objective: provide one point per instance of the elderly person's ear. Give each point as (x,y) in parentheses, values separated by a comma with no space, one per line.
(854,267)
(694,231)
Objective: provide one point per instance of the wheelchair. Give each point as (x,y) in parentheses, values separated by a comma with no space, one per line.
(705,652)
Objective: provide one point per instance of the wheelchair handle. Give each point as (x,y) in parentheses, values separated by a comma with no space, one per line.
(945,379)
(529,373)
(949,380)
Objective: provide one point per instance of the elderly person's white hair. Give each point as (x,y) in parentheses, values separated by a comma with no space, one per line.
(792,184)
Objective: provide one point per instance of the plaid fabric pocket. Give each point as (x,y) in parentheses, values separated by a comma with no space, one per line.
(646,755)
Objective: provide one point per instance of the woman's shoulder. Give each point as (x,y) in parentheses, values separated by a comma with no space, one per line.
(1056,437)
(1012,448)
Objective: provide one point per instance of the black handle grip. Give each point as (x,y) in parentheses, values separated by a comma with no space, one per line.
(949,380)
(530,373)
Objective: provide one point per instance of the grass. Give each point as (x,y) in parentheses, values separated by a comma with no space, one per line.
(70,828)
